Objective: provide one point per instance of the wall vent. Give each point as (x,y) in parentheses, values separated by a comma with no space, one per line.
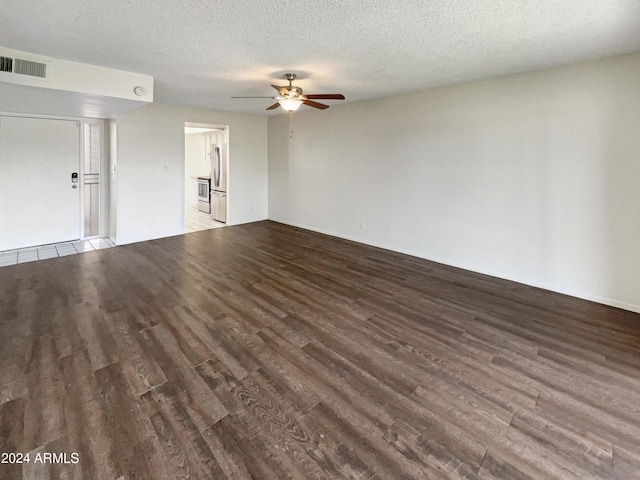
(27,67)
(6,64)
(23,67)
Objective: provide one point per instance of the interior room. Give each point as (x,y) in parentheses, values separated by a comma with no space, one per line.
(336,240)
(206,159)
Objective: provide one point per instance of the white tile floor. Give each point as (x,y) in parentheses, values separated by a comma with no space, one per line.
(195,220)
(32,254)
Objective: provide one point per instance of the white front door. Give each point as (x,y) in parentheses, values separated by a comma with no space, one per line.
(38,201)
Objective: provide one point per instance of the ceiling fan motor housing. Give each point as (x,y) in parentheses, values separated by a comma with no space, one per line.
(295,91)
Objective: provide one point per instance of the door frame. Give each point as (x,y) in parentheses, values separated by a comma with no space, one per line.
(104,193)
(227,160)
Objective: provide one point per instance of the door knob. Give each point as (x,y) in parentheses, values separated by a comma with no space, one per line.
(74,186)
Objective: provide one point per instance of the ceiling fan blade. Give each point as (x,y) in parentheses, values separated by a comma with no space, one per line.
(251,97)
(325,96)
(281,90)
(321,106)
(274,106)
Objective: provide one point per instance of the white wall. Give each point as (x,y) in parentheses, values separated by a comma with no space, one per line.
(150,199)
(533,177)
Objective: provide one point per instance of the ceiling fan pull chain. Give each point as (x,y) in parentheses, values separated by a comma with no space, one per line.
(290,124)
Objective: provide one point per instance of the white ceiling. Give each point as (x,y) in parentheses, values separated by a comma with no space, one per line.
(201,52)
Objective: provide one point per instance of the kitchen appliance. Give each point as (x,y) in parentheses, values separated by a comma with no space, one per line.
(204,197)
(219,182)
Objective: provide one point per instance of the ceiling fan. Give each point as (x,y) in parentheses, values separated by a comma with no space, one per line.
(291,97)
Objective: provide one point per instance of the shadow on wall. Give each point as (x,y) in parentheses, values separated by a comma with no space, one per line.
(621,194)
(594,181)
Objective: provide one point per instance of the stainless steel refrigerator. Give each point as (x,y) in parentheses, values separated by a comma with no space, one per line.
(219,182)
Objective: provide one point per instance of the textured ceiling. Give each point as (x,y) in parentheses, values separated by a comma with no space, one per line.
(201,52)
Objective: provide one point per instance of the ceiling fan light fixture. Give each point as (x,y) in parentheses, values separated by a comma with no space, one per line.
(290,105)
(290,97)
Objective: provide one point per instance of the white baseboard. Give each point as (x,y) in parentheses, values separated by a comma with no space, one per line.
(553,288)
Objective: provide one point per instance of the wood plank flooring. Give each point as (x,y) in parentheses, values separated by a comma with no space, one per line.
(268,352)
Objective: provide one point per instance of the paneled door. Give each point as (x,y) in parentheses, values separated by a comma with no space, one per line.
(39,196)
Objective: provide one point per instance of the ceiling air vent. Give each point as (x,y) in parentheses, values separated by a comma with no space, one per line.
(23,67)
(6,64)
(27,67)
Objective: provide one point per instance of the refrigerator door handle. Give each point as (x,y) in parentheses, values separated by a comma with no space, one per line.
(219,164)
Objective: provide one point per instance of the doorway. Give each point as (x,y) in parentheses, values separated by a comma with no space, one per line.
(206,167)
(50,184)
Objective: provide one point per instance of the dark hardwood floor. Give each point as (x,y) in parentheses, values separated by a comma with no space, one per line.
(268,352)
